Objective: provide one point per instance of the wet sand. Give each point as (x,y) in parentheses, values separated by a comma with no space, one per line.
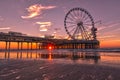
(52,70)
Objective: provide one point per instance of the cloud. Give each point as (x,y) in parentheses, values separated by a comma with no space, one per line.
(106,36)
(109,25)
(36,10)
(116,30)
(109,29)
(44,25)
(6,28)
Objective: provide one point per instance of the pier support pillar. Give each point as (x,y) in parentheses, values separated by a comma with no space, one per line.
(9,46)
(6,45)
(18,45)
(27,45)
(21,45)
(31,45)
(36,46)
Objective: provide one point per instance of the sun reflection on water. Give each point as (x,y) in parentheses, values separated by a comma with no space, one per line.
(66,56)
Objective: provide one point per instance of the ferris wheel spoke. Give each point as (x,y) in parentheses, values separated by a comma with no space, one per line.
(78,13)
(85,18)
(87,28)
(84,15)
(85,32)
(79,31)
(82,34)
(70,26)
(72,30)
(81,14)
(85,35)
(87,24)
(70,18)
(75,31)
(87,21)
(70,22)
(76,17)
(89,37)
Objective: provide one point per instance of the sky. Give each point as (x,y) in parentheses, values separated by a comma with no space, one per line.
(46,17)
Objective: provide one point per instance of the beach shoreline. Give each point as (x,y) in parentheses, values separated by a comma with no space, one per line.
(82,50)
(51,70)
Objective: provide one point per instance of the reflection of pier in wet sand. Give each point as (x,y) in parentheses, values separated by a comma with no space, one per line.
(71,55)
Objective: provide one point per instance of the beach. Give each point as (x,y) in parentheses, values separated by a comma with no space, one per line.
(50,70)
(59,65)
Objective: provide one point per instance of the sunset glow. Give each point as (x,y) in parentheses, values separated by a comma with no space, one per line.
(43,17)
(110,44)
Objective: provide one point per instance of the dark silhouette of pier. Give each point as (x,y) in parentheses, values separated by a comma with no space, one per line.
(44,43)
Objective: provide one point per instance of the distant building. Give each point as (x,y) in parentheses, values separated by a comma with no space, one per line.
(49,36)
(13,33)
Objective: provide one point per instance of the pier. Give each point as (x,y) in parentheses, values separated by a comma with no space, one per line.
(44,43)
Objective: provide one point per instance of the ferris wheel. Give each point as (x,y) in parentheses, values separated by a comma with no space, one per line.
(79,25)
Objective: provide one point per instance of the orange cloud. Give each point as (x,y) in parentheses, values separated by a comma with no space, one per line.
(36,10)
(6,28)
(44,25)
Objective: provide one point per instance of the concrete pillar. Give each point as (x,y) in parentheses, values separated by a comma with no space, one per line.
(39,46)
(31,45)
(21,45)
(36,46)
(6,45)
(27,45)
(18,45)
(9,45)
